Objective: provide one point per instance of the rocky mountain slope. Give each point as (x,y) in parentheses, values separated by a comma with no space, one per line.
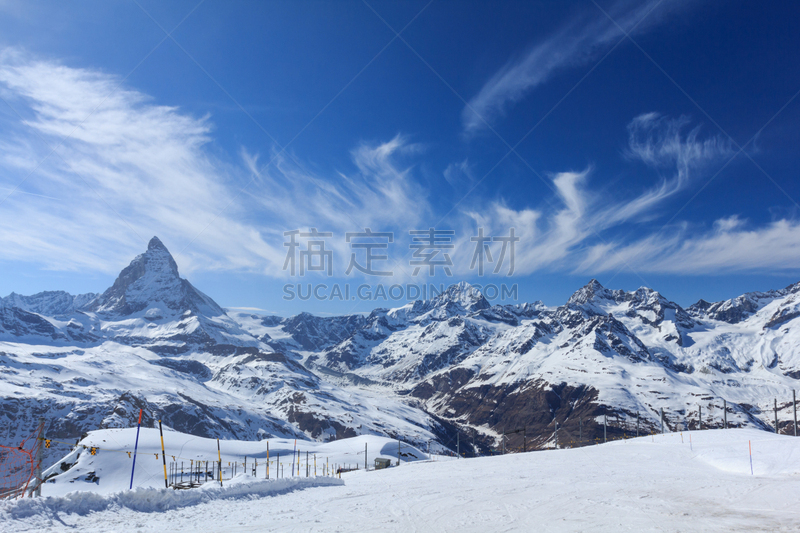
(604,355)
(427,370)
(155,342)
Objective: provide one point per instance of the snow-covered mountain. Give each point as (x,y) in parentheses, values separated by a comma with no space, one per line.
(155,342)
(420,371)
(603,353)
(49,303)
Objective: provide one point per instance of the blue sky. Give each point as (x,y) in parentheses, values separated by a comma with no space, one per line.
(639,143)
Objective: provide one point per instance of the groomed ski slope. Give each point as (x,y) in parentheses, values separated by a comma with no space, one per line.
(646,484)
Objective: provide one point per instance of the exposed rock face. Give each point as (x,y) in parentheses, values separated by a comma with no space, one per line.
(152,277)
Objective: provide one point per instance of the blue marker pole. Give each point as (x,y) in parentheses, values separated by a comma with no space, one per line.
(136,447)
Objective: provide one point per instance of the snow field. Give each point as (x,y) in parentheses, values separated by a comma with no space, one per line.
(649,484)
(151,500)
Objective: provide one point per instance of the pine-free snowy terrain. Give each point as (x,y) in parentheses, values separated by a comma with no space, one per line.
(653,483)
(428,370)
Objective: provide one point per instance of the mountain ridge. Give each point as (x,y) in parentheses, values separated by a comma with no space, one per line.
(424,370)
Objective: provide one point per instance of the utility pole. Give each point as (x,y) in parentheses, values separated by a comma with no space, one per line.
(725,411)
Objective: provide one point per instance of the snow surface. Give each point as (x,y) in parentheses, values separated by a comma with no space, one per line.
(109,470)
(654,483)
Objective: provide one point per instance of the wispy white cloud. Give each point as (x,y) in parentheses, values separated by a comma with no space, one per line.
(576,43)
(731,246)
(382,195)
(125,168)
(459,174)
(660,143)
(568,232)
(547,236)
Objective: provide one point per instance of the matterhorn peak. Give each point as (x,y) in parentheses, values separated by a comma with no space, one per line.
(156,244)
(152,279)
(157,257)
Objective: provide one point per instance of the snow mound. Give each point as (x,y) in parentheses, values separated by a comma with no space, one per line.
(150,500)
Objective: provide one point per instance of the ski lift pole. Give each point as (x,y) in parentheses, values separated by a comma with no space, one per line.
(135,448)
